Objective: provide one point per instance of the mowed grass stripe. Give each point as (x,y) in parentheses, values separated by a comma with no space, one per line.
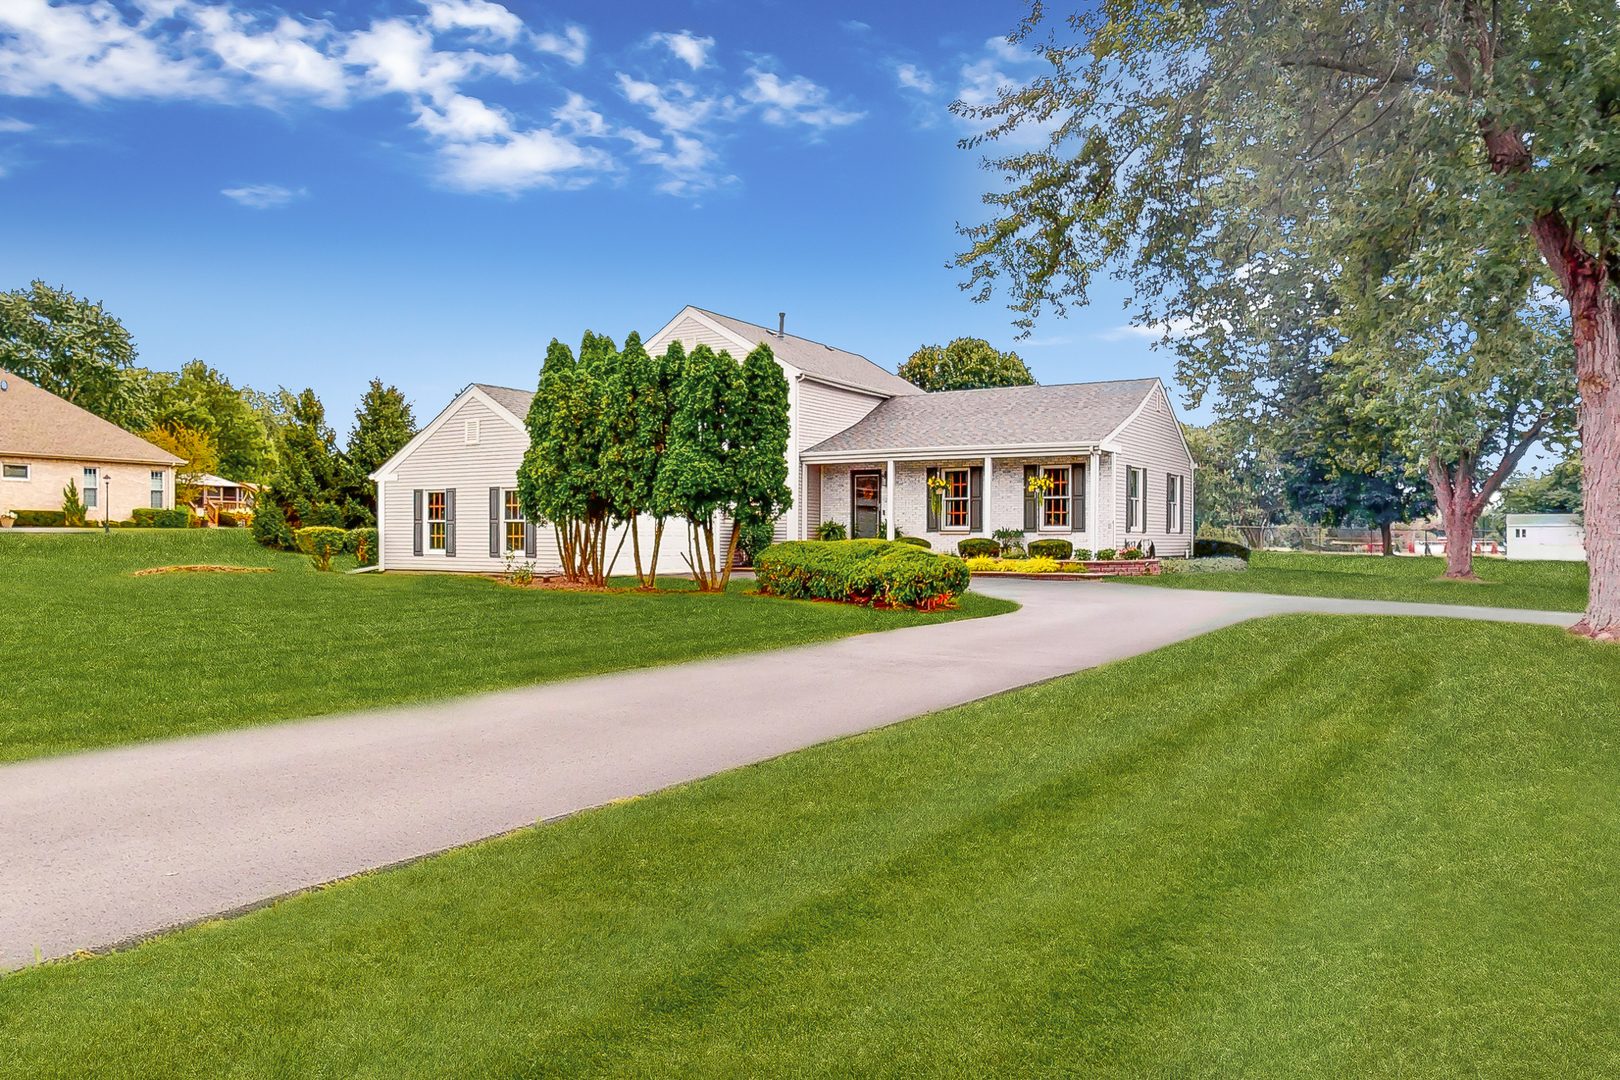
(107,657)
(1305,846)
(1539,586)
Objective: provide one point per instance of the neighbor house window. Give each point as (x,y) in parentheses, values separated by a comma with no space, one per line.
(1055,497)
(957,514)
(89,490)
(157,489)
(435,516)
(16,472)
(1173,497)
(515,525)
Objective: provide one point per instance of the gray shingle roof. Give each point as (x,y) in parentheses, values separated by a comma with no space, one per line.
(37,423)
(1012,416)
(813,358)
(513,401)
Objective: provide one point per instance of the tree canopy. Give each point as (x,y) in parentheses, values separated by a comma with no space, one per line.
(74,349)
(967,363)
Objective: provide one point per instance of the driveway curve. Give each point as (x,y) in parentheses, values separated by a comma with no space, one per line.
(108,846)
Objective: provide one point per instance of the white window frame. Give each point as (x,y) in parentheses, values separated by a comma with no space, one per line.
(27,471)
(512,514)
(90,494)
(469,432)
(965,500)
(1063,503)
(159,489)
(1135,505)
(429,521)
(1175,490)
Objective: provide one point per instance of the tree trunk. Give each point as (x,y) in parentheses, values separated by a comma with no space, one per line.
(1595,321)
(731,556)
(1389,541)
(1459,509)
(635,549)
(652,567)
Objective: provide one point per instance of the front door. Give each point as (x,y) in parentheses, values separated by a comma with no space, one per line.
(867,512)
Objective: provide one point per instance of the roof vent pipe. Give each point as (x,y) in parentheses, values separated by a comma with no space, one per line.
(781,324)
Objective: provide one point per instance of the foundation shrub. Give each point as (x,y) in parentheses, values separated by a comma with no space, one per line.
(976,546)
(1051,549)
(979,563)
(1082,554)
(1106,554)
(832,530)
(362,544)
(874,572)
(321,543)
(915,541)
(1132,553)
(145,517)
(40,519)
(1205,548)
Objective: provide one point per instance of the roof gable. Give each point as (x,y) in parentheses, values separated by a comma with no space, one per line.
(504,401)
(37,423)
(1004,418)
(812,358)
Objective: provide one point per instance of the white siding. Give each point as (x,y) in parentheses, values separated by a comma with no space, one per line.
(825,410)
(444,461)
(1152,441)
(691,334)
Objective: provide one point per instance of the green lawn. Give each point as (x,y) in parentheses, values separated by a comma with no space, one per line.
(1301,847)
(1545,586)
(98,656)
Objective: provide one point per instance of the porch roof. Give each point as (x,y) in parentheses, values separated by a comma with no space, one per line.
(1007,421)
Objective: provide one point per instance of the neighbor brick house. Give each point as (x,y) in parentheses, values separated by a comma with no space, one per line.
(46,441)
(863,445)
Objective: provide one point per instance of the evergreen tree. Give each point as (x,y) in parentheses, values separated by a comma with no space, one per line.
(383,424)
(202,399)
(965,364)
(639,407)
(695,478)
(758,437)
(305,490)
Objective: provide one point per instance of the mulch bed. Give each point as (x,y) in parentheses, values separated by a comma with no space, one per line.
(206,570)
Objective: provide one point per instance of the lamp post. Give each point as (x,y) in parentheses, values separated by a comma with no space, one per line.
(106,500)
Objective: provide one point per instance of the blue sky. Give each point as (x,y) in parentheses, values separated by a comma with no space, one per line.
(430,192)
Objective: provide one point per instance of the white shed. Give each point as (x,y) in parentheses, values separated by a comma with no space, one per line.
(1546,536)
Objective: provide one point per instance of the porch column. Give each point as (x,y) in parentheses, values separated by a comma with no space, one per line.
(888,501)
(984,498)
(1094,499)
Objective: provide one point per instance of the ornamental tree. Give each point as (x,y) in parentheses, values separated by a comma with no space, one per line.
(639,409)
(1201,149)
(759,440)
(695,478)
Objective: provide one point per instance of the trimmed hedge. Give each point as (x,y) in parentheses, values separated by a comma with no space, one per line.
(40,519)
(362,544)
(1051,549)
(1208,548)
(147,518)
(874,572)
(977,546)
(320,543)
(914,541)
(1204,564)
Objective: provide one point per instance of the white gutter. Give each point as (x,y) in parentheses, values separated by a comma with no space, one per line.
(931,453)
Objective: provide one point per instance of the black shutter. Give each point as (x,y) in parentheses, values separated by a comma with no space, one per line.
(976,499)
(450,523)
(1130,503)
(1077,498)
(530,538)
(495,509)
(1032,502)
(1181,497)
(933,500)
(416,522)
(1169,501)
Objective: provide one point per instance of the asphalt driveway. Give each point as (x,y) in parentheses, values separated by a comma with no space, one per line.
(104,847)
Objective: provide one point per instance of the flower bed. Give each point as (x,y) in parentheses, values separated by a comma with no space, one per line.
(1040,567)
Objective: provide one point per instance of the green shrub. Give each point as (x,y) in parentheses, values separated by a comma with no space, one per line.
(1107,555)
(914,541)
(755,538)
(320,543)
(145,517)
(979,563)
(832,530)
(270,526)
(978,545)
(40,519)
(226,519)
(1207,564)
(1207,548)
(1011,542)
(1132,553)
(875,572)
(1082,554)
(72,506)
(1051,549)
(362,544)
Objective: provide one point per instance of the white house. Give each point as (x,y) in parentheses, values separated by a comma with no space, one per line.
(863,447)
(1546,536)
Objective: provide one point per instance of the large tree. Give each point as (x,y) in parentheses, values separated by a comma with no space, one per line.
(201,398)
(638,411)
(967,363)
(74,349)
(383,424)
(695,477)
(1197,148)
(306,488)
(759,438)
(1556,491)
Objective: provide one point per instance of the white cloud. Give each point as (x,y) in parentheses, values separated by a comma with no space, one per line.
(264,196)
(1153,331)
(9,125)
(570,46)
(92,51)
(911,77)
(796,101)
(480,16)
(284,59)
(675,106)
(518,160)
(693,50)
(1007,51)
